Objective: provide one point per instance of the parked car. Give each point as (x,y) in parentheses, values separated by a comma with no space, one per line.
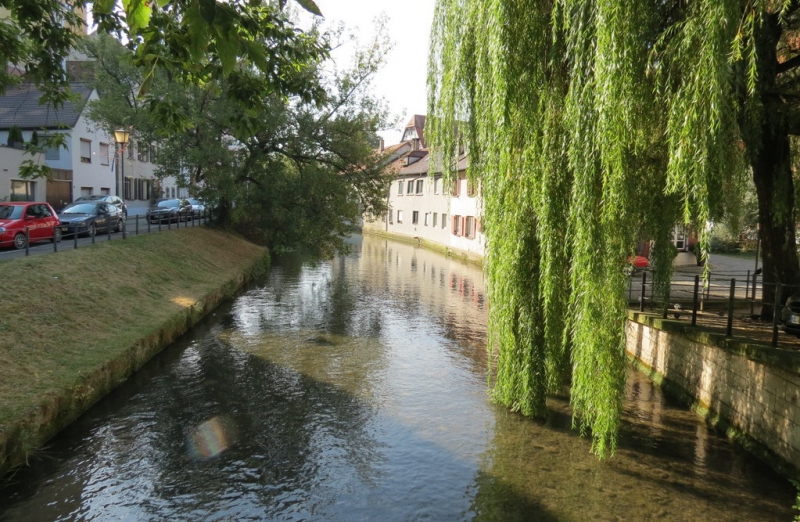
(198,207)
(170,210)
(91,217)
(39,218)
(790,315)
(636,264)
(114,200)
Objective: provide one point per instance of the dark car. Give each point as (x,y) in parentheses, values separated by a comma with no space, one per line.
(39,218)
(170,210)
(790,315)
(91,217)
(114,200)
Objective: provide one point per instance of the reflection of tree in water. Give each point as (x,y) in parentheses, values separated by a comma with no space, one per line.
(306,295)
(548,468)
(281,456)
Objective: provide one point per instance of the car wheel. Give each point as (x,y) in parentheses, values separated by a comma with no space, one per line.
(120,226)
(56,235)
(20,241)
(92,230)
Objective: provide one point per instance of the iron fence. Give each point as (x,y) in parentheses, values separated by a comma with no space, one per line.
(81,235)
(729,302)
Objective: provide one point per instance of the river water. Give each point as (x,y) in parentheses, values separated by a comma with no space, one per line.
(355,389)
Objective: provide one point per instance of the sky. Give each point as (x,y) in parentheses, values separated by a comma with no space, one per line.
(402,80)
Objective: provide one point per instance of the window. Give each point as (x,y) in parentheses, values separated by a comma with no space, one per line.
(51,153)
(472,188)
(23,190)
(399,216)
(455,190)
(437,186)
(410,187)
(469,227)
(103,154)
(456,225)
(86,151)
(144,152)
(153,153)
(427,215)
(131,149)
(419,186)
(434,219)
(400,185)
(415,217)
(444,220)
(127,188)
(105,191)
(86,191)
(391,221)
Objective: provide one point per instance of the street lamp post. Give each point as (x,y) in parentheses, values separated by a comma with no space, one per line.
(121,136)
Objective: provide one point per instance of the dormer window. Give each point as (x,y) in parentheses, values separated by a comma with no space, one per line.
(409,134)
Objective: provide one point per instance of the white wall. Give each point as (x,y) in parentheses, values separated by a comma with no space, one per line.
(10,161)
(430,202)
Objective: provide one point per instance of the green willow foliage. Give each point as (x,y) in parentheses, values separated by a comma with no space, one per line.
(590,124)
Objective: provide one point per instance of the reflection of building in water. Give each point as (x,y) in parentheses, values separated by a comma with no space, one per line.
(420,206)
(448,289)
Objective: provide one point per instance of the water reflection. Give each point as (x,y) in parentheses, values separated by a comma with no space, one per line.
(356,389)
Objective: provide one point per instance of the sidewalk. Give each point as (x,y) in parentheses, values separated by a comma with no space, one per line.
(720,265)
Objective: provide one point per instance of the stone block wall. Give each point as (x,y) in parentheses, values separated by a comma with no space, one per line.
(752,390)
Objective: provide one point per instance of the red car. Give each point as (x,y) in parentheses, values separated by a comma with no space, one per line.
(635,264)
(40,219)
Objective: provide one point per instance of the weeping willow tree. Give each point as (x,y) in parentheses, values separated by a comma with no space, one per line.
(590,124)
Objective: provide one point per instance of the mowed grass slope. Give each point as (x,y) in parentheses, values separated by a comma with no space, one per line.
(64,315)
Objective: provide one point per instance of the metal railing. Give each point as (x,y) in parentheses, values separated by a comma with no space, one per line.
(80,235)
(723,301)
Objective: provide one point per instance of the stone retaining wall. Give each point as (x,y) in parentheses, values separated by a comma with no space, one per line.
(57,412)
(752,391)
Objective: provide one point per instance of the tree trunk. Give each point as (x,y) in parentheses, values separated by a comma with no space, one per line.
(772,175)
(770,154)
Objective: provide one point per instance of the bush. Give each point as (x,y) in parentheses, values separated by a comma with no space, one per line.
(15,138)
(722,245)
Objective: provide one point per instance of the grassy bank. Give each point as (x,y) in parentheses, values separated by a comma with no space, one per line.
(65,317)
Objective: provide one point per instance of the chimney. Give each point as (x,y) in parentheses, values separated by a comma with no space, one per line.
(381,145)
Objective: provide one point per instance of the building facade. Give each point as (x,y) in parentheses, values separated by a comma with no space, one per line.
(91,163)
(422,205)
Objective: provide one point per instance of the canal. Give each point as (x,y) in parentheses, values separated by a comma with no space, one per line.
(356,389)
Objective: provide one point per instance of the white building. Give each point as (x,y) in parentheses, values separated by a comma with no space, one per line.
(421,207)
(12,186)
(90,163)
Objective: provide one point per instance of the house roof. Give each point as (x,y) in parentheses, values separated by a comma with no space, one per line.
(20,107)
(417,121)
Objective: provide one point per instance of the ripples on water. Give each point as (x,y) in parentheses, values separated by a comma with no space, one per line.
(356,390)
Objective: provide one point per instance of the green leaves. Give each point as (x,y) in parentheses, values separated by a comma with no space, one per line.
(137,14)
(578,160)
(310,6)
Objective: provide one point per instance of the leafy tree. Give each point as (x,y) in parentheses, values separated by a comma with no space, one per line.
(592,123)
(285,171)
(196,41)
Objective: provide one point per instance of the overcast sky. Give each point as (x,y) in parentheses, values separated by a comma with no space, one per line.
(402,80)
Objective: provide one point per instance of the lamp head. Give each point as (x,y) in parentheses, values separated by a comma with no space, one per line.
(122,136)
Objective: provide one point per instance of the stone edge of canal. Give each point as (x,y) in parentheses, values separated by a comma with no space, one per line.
(32,430)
